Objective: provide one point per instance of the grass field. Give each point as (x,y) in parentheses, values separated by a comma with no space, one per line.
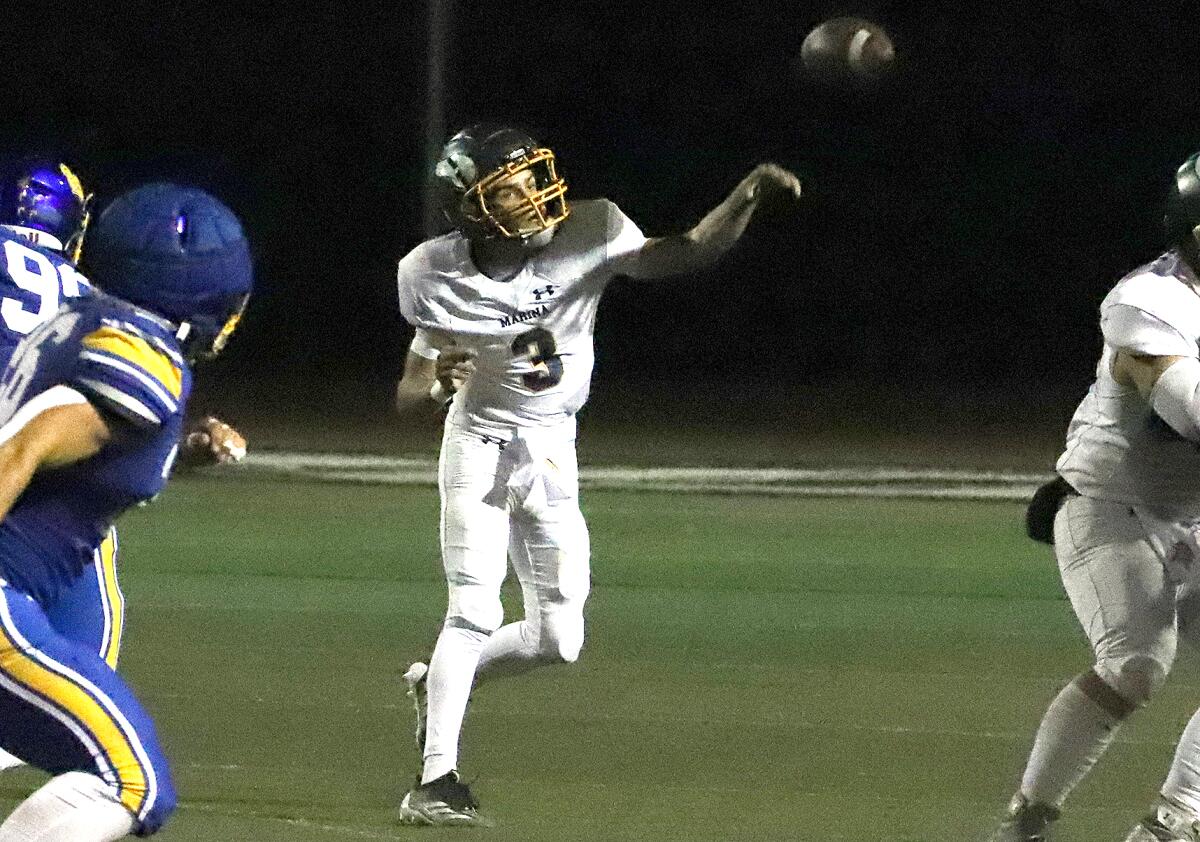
(757,669)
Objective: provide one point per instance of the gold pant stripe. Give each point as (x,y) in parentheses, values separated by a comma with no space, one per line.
(114,600)
(63,693)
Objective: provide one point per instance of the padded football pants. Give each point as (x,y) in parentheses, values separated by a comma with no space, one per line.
(62,706)
(515,499)
(1122,592)
(91,610)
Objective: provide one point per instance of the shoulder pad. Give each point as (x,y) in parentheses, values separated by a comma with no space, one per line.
(131,373)
(1140,332)
(418,277)
(623,234)
(1163,296)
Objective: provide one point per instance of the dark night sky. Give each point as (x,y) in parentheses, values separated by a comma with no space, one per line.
(965,220)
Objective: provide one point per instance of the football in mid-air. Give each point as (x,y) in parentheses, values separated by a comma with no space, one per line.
(847,51)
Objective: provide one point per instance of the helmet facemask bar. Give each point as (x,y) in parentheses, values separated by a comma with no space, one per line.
(204,338)
(227,329)
(73,247)
(541,209)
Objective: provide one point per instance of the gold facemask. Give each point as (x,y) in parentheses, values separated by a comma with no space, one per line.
(548,203)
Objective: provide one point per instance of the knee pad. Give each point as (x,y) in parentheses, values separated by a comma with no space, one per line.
(1137,678)
(474,606)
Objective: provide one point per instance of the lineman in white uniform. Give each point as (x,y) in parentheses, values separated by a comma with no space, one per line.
(504,307)
(1127,532)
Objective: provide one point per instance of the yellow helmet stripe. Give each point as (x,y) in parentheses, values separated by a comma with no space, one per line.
(73,181)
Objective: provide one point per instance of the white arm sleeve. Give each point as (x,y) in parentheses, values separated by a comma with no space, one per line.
(1133,329)
(1176,397)
(422,345)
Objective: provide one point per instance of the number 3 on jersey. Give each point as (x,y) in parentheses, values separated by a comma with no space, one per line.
(539,345)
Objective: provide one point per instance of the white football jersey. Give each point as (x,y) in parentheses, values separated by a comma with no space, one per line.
(1117,447)
(532,334)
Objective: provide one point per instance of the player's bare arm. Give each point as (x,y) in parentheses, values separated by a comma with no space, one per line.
(57,436)
(427,384)
(716,233)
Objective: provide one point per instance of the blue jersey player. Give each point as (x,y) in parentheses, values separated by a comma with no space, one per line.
(91,413)
(44,213)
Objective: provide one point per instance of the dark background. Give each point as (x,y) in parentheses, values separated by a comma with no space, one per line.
(960,224)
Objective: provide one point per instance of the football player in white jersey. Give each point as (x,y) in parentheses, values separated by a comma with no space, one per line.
(1124,518)
(504,308)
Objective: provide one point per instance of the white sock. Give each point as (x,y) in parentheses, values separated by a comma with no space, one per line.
(1074,733)
(75,807)
(507,652)
(451,674)
(8,761)
(1183,781)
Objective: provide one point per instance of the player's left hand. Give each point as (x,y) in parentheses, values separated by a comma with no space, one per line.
(213,441)
(770,180)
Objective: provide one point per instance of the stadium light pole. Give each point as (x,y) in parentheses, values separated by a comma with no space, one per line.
(441,13)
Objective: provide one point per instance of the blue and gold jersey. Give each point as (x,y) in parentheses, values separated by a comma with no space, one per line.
(127,363)
(34,281)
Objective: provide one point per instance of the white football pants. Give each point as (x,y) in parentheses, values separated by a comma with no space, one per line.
(1132,579)
(1121,591)
(504,501)
(516,501)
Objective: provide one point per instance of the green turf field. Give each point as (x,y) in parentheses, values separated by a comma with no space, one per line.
(757,669)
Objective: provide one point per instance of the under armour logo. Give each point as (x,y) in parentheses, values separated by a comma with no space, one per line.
(547,290)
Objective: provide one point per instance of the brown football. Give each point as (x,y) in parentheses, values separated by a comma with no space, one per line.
(847,50)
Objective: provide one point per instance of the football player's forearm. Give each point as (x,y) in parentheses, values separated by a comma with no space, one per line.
(724,225)
(17,466)
(704,244)
(414,401)
(52,438)
(1175,396)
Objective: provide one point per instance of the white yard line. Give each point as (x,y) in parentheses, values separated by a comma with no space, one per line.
(875,482)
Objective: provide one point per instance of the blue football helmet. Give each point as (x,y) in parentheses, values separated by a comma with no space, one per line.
(45,200)
(177,252)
